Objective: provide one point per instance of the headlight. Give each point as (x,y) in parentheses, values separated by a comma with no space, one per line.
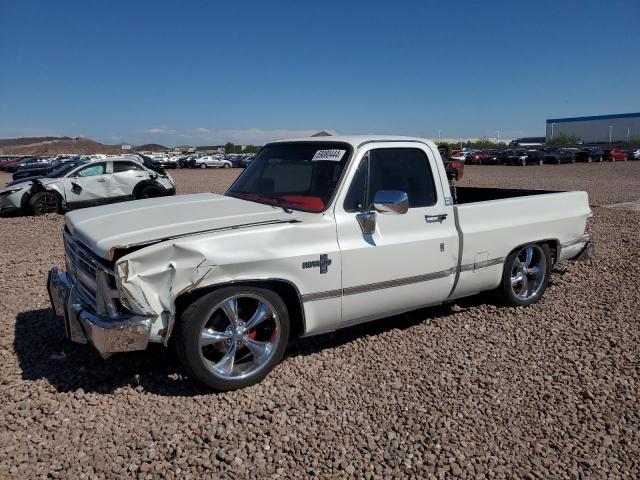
(9,192)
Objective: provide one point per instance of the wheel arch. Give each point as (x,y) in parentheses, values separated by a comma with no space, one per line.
(285,288)
(146,183)
(38,188)
(552,243)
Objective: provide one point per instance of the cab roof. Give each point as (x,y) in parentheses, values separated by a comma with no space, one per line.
(357,140)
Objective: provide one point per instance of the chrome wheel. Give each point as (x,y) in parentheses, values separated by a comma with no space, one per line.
(240,336)
(528,272)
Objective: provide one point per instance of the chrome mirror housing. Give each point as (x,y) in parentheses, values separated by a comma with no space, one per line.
(391,201)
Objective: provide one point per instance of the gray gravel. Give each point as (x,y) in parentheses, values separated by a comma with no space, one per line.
(474,390)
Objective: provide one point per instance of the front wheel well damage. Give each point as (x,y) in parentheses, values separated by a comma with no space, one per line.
(37,188)
(287,291)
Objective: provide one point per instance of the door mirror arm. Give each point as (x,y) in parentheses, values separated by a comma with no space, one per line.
(391,202)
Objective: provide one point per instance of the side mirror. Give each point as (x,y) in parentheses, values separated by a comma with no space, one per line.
(391,201)
(385,201)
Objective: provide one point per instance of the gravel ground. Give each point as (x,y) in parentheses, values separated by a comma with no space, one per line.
(473,390)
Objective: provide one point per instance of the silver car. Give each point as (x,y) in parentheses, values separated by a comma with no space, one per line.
(96,182)
(211,161)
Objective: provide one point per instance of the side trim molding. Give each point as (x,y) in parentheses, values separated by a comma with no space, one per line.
(370,287)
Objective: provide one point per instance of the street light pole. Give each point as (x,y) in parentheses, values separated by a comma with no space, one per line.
(610,132)
(552,125)
(498,136)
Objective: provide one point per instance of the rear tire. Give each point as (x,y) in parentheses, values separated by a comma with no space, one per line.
(203,165)
(42,203)
(525,275)
(226,165)
(222,354)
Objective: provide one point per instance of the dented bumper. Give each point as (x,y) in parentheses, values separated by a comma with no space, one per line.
(106,334)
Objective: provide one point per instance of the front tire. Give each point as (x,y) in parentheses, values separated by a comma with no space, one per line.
(42,203)
(149,192)
(526,275)
(226,165)
(232,337)
(203,165)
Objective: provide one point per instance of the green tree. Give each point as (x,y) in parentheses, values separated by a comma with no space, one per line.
(229,148)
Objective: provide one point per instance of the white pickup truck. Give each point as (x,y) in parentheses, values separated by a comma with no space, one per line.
(316,234)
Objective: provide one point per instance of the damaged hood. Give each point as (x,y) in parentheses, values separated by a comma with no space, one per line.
(144,222)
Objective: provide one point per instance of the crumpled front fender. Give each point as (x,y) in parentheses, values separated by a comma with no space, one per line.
(150,283)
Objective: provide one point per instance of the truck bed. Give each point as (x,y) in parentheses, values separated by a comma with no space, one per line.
(491,221)
(480,194)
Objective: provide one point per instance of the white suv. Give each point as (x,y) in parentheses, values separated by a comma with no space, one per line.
(85,184)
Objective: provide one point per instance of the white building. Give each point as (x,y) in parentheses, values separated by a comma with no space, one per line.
(597,129)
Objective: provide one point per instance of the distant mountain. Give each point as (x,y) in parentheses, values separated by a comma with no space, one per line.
(150,147)
(55,146)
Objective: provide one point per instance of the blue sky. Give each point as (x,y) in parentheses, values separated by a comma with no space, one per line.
(202,72)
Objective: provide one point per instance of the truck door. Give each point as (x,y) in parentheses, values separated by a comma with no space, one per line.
(87,186)
(409,260)
(126,175)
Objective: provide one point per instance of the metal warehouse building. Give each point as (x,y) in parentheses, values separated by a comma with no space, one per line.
(600,128)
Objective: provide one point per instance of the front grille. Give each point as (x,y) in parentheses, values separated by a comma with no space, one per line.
(83,265)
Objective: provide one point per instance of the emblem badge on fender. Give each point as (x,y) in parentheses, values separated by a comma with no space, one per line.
(323,263)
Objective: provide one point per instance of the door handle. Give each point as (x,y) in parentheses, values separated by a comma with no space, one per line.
(435,218)
(101,180)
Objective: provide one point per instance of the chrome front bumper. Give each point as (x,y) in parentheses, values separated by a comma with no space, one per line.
(106,334)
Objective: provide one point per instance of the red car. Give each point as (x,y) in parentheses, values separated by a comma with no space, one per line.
(478,157)
(8,163)
(615,155)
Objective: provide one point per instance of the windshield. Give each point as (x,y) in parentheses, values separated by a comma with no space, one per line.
(64,168)
(298,176)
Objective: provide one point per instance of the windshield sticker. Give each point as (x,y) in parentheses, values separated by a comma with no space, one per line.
(328,155)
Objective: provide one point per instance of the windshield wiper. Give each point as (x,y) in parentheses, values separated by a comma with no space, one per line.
(256,197)
(278,202)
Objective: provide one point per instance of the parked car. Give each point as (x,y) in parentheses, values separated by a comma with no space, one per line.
(319,234)
(615,155)
(463,155)
(57,172)
(478,158)
(99,181)
(590,154)
(526,157)
(499,157)
(246,161)
(559,155)
(188,161)
(6,162)
(25,162)
(212,161)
